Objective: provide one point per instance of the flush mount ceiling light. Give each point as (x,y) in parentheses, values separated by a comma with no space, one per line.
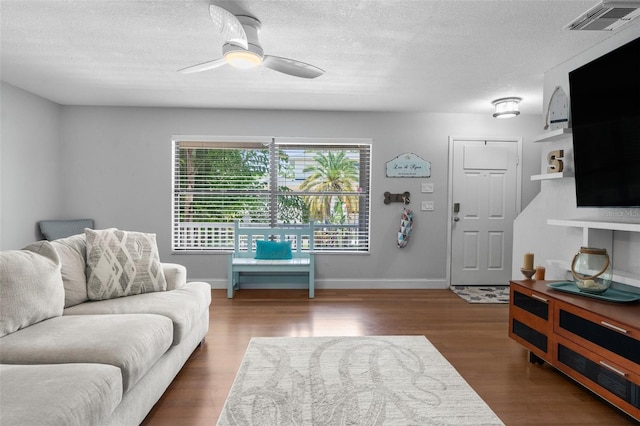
(506,107)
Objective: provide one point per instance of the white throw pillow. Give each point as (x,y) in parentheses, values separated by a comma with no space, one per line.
(122,263)
(31,288)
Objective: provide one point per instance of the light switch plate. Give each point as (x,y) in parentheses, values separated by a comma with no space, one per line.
(427,187)
(427,206)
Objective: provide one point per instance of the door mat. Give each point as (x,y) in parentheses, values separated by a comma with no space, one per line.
(482,294)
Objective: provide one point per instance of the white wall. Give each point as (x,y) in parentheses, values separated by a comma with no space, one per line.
(557,198)
(30,165)
(117,161)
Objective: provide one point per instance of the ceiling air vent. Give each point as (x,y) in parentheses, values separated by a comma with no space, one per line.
(606,16)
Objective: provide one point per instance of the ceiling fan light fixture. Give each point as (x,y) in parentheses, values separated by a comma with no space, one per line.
(243,59)
(506,107)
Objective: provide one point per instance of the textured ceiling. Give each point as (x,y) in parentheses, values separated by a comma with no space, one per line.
(386,55)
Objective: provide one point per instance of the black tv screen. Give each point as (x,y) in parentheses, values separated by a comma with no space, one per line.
(605,116)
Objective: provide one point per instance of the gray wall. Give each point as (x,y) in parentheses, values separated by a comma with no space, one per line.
(30,165)
(115,167)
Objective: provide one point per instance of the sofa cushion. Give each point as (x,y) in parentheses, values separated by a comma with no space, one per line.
(132,343)
(31,287)
(184,306)
(73,254)
(122,263)
(60,394)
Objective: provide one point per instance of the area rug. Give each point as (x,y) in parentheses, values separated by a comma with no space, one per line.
(381,380)
(482,294)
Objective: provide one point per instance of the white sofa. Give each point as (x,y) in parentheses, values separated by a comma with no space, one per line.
(69,360)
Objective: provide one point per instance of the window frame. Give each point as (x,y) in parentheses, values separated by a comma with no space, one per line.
(184,243)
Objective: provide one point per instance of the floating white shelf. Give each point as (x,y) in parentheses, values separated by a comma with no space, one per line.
(552,135)
(548,176)
(623,224)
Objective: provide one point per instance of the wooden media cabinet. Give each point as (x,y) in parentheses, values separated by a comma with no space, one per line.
(594,342)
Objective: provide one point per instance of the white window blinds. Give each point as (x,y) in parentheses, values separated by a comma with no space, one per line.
(270,183)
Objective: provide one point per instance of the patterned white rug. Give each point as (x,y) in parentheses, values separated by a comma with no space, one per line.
(482,293)
(382,380)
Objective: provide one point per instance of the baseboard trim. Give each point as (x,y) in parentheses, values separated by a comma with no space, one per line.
(351,284)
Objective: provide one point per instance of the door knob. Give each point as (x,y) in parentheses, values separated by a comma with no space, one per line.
(456,219)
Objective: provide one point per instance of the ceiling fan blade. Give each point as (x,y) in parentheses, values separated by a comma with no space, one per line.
(230,27)
(205,66)
(291,67)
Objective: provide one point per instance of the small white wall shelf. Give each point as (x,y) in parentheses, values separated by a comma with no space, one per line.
(553,135)
(597,232)
(548,176)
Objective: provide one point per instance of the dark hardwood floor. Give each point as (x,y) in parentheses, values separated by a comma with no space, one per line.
(473,337)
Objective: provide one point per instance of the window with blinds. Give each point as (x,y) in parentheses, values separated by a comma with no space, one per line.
(271,183)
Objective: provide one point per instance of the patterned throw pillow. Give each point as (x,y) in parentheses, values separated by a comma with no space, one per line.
(273,250)
(122,263)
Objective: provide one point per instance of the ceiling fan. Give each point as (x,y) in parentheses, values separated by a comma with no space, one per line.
(242,49)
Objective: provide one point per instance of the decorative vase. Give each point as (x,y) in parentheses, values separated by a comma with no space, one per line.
(591,267)
(528,273)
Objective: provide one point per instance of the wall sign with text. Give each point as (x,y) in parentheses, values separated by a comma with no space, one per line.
(408,165)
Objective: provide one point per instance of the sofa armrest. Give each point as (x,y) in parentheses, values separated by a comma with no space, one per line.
(175,274)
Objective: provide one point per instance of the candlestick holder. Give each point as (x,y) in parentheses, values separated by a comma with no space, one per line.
(528,273)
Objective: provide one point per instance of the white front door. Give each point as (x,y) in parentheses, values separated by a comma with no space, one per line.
(485,200)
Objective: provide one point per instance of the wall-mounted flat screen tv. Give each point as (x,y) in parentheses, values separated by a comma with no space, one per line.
(605,116)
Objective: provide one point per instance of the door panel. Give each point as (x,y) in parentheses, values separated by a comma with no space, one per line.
(471,251)
(496,250)
(497,188)
(485,157)
(471,197)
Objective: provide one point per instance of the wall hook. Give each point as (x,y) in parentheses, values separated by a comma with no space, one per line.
(397,198)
